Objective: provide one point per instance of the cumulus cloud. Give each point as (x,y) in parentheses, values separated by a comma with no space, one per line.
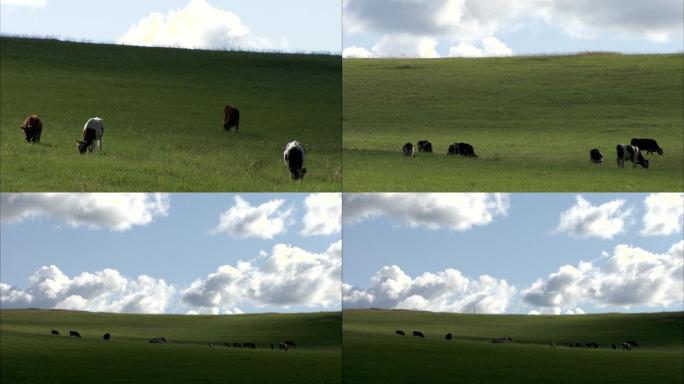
(491,46)
(244,220)
(288,276)
(404,45)
(323,214)
(585,220)
(115,211)
(454,211)
(628,277)
(25,3)
(444,291)
(103,291)
(198,25)
(664,214)
(354,52)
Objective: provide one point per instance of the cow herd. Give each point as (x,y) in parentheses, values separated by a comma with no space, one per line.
(630,152)
(93,134)
(461,149)
(77,334)
(626,345)
(420,334)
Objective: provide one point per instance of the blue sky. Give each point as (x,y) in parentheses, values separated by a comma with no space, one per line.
(519,246)
(300,25)
(176,240)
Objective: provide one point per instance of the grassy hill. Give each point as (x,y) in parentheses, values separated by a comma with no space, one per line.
(30,354)
(372,352)
(163,115)
(532,121)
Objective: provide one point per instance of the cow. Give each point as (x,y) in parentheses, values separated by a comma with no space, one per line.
(552,344)
(93,132)
(231,118)
(463,149)
(614,346)
(282,346)
(290,343)
(227,345)
(569,345)
(425,146)
(591,345)
(32,128)
(632,343)
(399,332)
(409,150)
(579,345)
(74,334)
(158,340)
(648,145)
(501,340)
(626,346)
(272,346)
(418,334)
(631,153)
(249,345)
(595,156)
(294,159)
(448,336)
(54,332)
(106,336)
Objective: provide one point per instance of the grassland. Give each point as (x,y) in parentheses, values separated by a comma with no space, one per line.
(532,121)
(373,353)
(30,354)
(162,110)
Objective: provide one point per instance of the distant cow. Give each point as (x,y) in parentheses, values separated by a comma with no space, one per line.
(249,345)
(463,149)
(55,332)
(282,346)
(294,159)
(290,343)
(502,340)
(648,145)
(237,345)
(614,346)
(448,336)
(32,128)
(409,150)
(272,346)
(400,332)
(106,336)
(227,344)
(591,345)
(231,118)
(595,156)
(425,146)
(158,340)
(632,343)
(631,153)
(418,334)
(93,133)
(626,346)
(74,334)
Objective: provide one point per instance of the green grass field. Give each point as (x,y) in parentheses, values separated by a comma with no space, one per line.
(532,121)
(30,354)
(373,353)
(163,115)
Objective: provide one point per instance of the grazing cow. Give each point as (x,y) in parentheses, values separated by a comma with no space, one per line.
(648,145)
(409,150)
(249,345)
(237,345)
(425,146)
(231,118)
(614,346)
(400,332)
(463,149)
(632,343)
(595,156)
(158,340)
(74,334)
(290,343)
(448,336)
(282,346)
(579,345)
(626,346)
(569,345)
(55,332)
(294,159)
(418,334)
(32,128)
(631,153)
(93,132)
(106,336)
(501,340)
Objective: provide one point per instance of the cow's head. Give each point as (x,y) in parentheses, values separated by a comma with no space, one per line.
(297,174)
(82,146)
(660,151)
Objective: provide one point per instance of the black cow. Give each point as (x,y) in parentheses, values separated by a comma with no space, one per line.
(272,346)
(631,153)
(158,340)
(106,336)
(632,343)
(425,146)
(595,156)
(231,118)
(290,343)
(614,346)
(55,332)
(74,334)
(448,336)
(294,159)
(648,145)
(409,150)
(418,334)
(400,332)
(32,128)
(463,149)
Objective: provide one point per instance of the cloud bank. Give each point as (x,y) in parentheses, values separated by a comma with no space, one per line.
(323,214)
(584,220)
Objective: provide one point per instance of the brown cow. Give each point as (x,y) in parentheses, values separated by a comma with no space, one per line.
(231,118)
(32,128)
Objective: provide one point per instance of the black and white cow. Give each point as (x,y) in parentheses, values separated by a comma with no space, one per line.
(626,346)
(93,132)
(294,159)
(290,343)
(425,146)
(648,145)
(631,153)
(409,150)
(632,343)
(595,156)
(463,149)
(418,334)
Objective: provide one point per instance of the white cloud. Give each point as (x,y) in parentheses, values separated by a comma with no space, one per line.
(323,214)
(444,291)
(404,45)
(629,277)
(245,220)
(116,211)
(491,46)
(357,53)
(198,25)
(454,211)
(585,220)
(103,291)
(664,214)
(288,276)
(25,3)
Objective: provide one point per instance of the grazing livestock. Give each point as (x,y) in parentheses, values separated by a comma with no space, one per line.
(418,334)
(227,344)
(425,146)
(463,149)
(626,346)
(158,340)
(231,118)
(282,346)
(591,345)
(93,132)
(501,340)
(648,145)
(55,332)
(448,336)
(400,332)
(294,159)
(553,344)
(569,345)
(32,128)
(249,345)
(290,343)
(631,153)
(409,150)
(614,346)
(272,346)
(106,336)
(595,156)
(632,343)
(74,334)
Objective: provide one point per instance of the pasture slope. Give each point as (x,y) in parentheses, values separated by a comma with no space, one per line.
(30,354)
(532,121)
(163,115)
(373,353)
